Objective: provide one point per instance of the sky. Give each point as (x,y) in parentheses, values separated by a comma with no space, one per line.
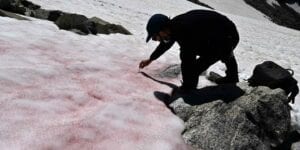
(61,90)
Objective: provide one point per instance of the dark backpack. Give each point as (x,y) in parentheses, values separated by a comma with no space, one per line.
(274,76)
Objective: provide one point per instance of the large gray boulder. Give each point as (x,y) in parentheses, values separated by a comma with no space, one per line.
(101,26)
(233,117)
(73,21)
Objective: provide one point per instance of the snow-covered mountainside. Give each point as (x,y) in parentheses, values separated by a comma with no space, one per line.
(279,11)
(60,90)
(236,7)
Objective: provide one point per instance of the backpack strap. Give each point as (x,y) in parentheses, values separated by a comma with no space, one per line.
(294,92)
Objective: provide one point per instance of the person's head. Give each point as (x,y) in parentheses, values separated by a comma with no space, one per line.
(157,28)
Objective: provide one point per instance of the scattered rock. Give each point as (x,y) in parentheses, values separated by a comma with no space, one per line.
(18,6)
(88,26)
(76,23)
(70,21)
(40,14)
(73,21)
(104,27)
(100,25)
(114,28)
(99,21)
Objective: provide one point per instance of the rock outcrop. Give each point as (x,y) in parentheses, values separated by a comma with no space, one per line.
(233,117)
(67,21)
(4,13)
(88,26)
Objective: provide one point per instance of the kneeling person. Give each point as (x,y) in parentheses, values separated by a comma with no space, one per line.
(203,33)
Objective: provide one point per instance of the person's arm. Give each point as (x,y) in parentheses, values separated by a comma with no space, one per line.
(160,49)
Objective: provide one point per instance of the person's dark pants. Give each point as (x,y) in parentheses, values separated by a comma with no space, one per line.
(192,67)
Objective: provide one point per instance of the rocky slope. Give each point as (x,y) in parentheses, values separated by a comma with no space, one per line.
(234,117)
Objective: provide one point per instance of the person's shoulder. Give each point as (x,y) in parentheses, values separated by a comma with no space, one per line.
(197,13)
(201,11)
(206,14)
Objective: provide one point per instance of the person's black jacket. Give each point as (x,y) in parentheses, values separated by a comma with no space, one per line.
(200,32)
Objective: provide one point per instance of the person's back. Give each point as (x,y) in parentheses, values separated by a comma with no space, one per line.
(201,29)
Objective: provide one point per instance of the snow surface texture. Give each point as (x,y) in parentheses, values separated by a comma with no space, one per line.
(60,90)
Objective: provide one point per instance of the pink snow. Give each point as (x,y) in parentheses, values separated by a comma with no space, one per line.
(60,90)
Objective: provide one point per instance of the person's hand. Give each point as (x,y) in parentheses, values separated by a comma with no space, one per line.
(144,63)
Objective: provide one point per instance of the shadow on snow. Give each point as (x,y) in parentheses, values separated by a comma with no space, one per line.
(225,92)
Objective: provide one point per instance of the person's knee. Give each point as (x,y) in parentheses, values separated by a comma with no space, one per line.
(190,83)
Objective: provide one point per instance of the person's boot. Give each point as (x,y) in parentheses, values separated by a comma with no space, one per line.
(227,79)
(185,89)
(231,77)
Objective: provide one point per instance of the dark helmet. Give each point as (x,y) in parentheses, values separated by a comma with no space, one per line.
(155,24)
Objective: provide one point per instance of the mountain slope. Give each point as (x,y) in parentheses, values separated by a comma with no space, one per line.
(236,7)
(61,90)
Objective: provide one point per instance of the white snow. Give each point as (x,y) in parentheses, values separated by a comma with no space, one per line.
(60,90)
